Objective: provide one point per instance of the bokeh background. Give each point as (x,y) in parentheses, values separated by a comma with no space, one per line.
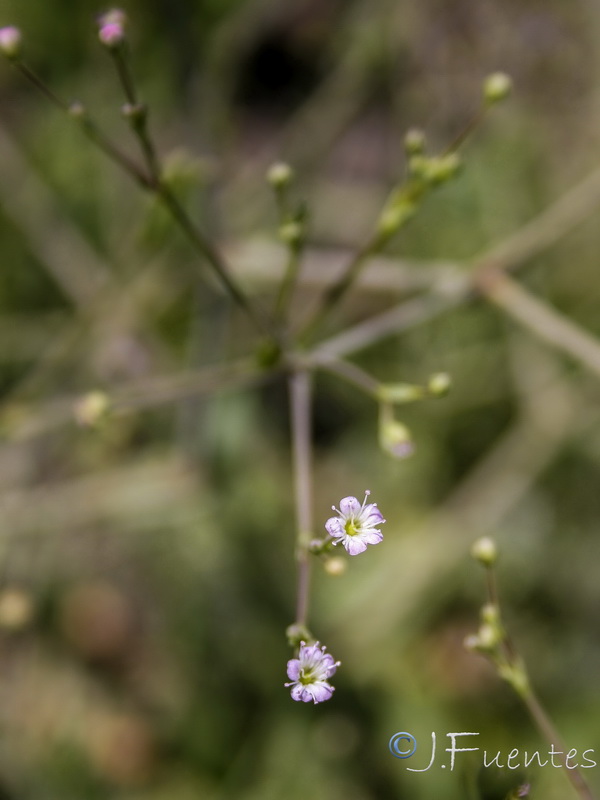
(147,563)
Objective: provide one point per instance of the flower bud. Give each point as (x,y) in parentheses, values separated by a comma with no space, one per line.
(442,169)
(10,42)
(439,384)
(77,110)
(112,28)
(484,550)
(488,637)
(496,87)
(280,175)
(394,216)
(91,408)
(291,233)
(490,614)
(298,633)
(414,142)
(16,609)
(400,392)
(395,439)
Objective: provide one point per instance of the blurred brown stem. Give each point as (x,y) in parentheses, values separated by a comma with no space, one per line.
(300,417)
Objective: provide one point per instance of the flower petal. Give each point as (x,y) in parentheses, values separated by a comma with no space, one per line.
(297,691)
(349,506)
(354,545)
(371,515)
(334,527)
(372,537)
(321,691)
(293,669)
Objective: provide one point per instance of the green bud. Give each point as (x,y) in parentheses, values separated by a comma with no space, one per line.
(395,216)
(400,392)
(11,42)
(414,142)
(136,114)
(442,169)
(92,408)
(280,175)
(298,633)
(516,675)
(77,110)
(471,642)
(490,614)
(484,550)
(291,233)
(496,87)
(489,637)
(439,384)
(395,439)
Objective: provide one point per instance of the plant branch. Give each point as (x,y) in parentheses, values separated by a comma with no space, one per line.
(300,417)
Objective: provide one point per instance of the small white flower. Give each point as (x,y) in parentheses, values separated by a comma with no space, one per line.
(310,673)
(355,525)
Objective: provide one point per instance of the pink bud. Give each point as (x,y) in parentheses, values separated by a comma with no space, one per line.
(10,41)
(111,35)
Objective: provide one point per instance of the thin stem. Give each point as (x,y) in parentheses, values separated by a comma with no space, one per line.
(533,705)
(471,126)
(352,374)
(151,182)
(125,75)
(300,417)
(209,253)
(288,284)
(339,289)
(90,129)
(547,729)
(138,118)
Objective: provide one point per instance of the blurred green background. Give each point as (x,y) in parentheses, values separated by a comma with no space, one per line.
(147,564)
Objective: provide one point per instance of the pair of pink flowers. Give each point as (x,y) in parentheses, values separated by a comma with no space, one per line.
(355,527)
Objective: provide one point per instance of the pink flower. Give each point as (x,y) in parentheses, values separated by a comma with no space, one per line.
(310,672)
(355,525)
(112,28)
(10,41)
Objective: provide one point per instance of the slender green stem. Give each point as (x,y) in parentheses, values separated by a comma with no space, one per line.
(301,425)
(352,374)
(511,660)
(138,117)
(288,284)
(547,729)
(339,289)
(469,128)
(152,181)
(89,128)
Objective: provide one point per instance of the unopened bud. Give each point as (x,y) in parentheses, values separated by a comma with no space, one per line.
(442,168)
(291,233)
(490,614)
(280,175)
(496,87)
(298,633)
(439,384)
(112,28)
(414,141)
(488,637)
(91,408)
(10,42)
(484,550)
(395,439)
(400,392)
(16,609)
